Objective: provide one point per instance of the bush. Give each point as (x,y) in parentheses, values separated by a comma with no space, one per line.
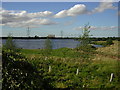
(48,44)
(85,38)
(10,44)
(109,42)
(48,47)
(18,73)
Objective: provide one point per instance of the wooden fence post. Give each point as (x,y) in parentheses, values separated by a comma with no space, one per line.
(77,71)
(49,69)
(111,77)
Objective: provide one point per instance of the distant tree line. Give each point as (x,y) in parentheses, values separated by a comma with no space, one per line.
(104,38)
(91,38)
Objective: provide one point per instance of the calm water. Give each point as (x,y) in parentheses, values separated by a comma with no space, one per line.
(40,43)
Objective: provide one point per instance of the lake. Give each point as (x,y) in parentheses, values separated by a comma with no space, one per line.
(40,43)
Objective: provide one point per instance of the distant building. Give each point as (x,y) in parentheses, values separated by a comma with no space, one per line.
(51,35)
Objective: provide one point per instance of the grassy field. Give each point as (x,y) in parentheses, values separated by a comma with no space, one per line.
(103,62)
(103,53)
(83,67)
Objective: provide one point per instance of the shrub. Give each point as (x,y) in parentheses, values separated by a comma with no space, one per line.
(48,44)
(109,42)
(85,40)
(48,47)
(19,74)
(10,44)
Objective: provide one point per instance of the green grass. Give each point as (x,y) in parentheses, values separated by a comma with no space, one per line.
(94,68)
(62,52)
(71,55)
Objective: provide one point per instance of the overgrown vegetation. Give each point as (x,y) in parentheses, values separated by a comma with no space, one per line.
(103,43)
(18,72)
(84,39)
(10,44)
(48,47)
(82,67)
(94,70)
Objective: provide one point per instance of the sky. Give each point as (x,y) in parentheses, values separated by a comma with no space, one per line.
(44,18)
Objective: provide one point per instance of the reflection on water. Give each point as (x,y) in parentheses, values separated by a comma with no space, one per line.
(40,43)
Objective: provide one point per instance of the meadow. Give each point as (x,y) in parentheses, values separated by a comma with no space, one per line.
(83,67)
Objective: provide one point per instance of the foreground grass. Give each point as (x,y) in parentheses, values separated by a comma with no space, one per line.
(94,73)
(83,67)
(110,51)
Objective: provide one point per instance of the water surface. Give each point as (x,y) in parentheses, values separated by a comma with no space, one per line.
(40,43)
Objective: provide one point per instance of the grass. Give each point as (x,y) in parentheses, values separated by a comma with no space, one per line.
(102,52)
(65,61)
(106,55)
(109,51)
(93,67)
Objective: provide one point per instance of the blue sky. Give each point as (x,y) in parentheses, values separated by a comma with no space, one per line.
(102,18)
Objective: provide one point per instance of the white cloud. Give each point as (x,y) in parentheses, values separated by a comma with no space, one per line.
(40,14)
(73,11)
(31,23)
(77,10)
(98,28)
(61,14)
(23,18)
(25,13)
(80,9)
(103,6)
(81,28)
(1,24)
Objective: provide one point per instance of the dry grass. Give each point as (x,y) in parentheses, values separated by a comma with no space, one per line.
(110,50)
(108,53)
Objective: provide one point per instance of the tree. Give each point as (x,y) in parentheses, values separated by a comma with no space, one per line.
(85,37)
(10,44)
(36,36)
(109,42)
(85,40)
(48,46)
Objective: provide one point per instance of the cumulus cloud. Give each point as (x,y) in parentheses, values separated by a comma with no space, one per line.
(31,23)
(25,13)
(80,9)
(23,18)
(103,6)
(40,14)
(73,11)
(98,28)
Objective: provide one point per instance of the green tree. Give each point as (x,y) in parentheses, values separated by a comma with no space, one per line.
(36,36)
(85,40)
(48,47)
(10,44)
(48,44)
(109,42)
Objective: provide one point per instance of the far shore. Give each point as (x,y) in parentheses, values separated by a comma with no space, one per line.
(76,38)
